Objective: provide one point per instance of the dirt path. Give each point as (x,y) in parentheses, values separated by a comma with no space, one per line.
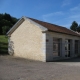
(12,68)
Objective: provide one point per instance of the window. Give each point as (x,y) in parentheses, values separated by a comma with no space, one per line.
(56,46)
(76,46)
(67,47)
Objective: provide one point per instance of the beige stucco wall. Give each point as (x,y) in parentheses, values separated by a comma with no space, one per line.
(28,41)
(61,35)
(49,44)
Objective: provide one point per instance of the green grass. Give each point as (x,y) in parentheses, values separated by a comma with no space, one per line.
(3,39)
(3,44)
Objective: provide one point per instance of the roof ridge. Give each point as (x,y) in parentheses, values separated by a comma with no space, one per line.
(51,27)
(55,28)
(47,22)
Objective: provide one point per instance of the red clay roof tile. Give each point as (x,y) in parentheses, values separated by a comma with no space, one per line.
(55,28)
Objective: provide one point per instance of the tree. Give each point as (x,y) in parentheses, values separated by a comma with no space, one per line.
(5,29)
(78,28)
(74,26)
(7,17)
(6,22)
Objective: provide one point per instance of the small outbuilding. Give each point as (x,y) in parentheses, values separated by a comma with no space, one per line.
(42,41)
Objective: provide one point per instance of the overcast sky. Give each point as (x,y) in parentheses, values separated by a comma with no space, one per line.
(60,12)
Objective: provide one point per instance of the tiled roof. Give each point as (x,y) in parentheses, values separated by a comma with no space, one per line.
(55,28)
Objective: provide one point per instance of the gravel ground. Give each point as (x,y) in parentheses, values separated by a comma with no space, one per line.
(12,68)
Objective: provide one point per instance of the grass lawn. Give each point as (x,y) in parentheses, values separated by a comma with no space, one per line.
(3,45)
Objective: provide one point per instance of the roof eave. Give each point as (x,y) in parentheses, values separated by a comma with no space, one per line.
(15,26)
(63,33)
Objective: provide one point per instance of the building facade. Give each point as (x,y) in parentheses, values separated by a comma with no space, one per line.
(37,40)
(60,45)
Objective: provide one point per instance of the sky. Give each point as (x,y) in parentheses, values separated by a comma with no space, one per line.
(60,12)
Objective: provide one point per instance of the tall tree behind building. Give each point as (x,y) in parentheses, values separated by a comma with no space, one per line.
(75,26)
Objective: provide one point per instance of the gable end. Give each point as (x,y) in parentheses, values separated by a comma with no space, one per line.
(15,26)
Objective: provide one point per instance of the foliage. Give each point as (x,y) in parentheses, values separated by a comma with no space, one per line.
(75,26)
(5,29)
(3,39)
(78,28)
(6,22)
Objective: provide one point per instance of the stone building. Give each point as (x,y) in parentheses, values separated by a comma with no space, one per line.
(42,41)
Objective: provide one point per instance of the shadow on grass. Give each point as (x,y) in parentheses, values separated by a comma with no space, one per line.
(3,49)
(3,53)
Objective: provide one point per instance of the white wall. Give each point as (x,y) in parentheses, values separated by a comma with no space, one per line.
(49,44)
(28,42)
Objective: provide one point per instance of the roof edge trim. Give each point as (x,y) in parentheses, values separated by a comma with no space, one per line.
(15,26)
